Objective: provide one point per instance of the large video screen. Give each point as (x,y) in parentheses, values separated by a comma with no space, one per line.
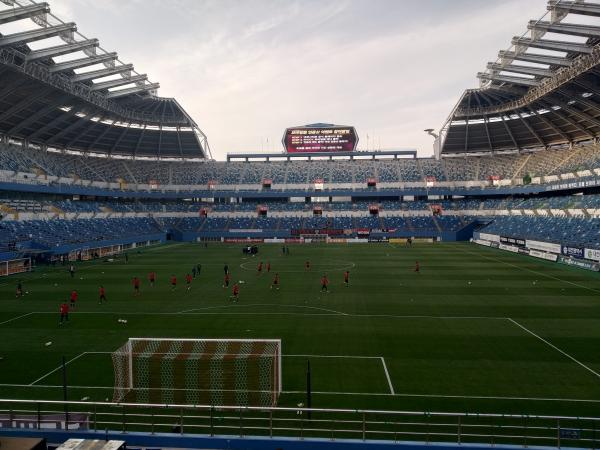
(312,140)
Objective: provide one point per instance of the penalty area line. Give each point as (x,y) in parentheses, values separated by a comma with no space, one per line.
(58,368)
(17,318)
(387,375)
(527,330)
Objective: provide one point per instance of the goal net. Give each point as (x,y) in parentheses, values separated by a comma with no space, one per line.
(228,372)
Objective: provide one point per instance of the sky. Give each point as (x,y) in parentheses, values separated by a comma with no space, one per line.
(247,69)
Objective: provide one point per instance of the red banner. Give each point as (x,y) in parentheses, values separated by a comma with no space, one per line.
(242,241)
(327,231)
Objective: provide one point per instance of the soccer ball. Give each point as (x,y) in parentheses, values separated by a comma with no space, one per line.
(48,344)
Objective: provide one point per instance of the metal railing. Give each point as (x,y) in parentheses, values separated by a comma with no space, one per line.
(301,423)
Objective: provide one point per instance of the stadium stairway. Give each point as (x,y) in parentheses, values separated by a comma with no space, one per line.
(520,168)
(56,210)
(437,224)
(129,172)
(564,161)
(409,224)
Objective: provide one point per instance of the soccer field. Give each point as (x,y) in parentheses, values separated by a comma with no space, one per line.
(478,330)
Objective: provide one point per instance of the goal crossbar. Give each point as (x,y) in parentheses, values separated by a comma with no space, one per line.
(228,371)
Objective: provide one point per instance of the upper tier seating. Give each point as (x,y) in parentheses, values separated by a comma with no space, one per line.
(14,158)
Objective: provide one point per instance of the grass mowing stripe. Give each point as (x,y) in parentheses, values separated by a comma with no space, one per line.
(437,332)
(366,394)
(475,397)
(270,313)
(265,304)
(554,347)
(491,258)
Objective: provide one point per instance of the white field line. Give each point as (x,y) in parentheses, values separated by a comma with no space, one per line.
(284,356)
(387,375)
(331,314)
(332,356)
(375,394)
(58,368)
(345,265)
(555,347)
(264,304)
(16,318)
(469,397)
(542,274)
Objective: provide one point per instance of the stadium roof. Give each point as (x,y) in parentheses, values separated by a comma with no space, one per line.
(544,91)
(61,89)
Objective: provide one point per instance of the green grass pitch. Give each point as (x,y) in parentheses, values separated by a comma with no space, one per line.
(478,330)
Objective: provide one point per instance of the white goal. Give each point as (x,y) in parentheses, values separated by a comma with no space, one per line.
(198,371)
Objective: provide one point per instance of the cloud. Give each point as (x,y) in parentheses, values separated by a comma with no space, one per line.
(245,70)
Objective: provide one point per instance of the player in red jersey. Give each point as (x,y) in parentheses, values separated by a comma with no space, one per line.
(64,313)
(173,282)
(275,283)
(346,278)
(74,297)
(259,268)
(226,280)
(188,281)
(235,292)
(101,294)
(152,278)
(307,265)
(268,266)
(136,286)
(417,267)
(324,283)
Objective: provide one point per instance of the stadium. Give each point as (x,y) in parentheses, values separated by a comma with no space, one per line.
(319,296)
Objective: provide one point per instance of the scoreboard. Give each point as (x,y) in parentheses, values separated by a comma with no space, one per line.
(320,138)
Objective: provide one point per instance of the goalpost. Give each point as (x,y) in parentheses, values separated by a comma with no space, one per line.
(14,266)
(227,372)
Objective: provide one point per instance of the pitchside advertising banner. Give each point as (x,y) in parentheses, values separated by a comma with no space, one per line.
(591,253)
(543,255)
(579,263)
(489,237)
(544,246)
(573,251)
(513,241)
(509,248)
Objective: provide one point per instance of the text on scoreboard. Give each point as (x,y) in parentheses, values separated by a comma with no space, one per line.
(333,139)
